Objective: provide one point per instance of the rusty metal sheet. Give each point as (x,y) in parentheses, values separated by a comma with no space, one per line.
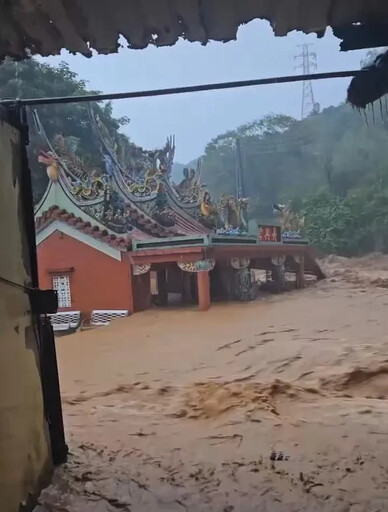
(46,27)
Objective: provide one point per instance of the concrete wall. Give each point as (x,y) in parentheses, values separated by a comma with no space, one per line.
(24,447)
(97,280)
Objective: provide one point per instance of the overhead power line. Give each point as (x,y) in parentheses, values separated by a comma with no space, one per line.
(280,151)
(179,90)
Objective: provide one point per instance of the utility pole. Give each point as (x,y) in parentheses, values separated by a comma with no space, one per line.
(240,185)
(307,61)
(329,170)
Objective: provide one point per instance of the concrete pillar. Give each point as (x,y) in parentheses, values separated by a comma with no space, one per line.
(203,280)
(300,281)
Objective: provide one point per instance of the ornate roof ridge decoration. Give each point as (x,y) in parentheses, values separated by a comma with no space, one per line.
(80,183)
(121,216)
(197,266)
(47,27)
(190,190)
(140,180)
(161,210)
(60,214)
(234,214)
(93,194)
(140,269)
(150,190)
(291,222)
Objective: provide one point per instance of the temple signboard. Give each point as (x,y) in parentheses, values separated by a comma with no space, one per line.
(269,234)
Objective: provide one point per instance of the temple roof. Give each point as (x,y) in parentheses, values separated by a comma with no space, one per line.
(110,207)
(55,213)
(59,204)
(80,26)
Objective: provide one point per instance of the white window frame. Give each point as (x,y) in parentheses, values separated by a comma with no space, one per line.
(61,283)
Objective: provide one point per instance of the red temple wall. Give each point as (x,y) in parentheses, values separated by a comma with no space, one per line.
(97,281)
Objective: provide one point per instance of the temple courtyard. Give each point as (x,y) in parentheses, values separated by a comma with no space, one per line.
(275,405)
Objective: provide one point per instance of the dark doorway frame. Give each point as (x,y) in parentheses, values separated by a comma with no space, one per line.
(41,302)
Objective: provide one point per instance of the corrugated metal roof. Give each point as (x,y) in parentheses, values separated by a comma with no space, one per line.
(46,27)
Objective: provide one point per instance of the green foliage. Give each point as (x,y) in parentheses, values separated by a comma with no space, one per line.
(352,225)
(329,223)
(331,164)
(262,137)
(32,79)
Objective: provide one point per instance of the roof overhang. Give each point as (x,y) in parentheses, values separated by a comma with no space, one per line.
(61,216)
(80,26)
(363,35)
(61,227)
(186,253)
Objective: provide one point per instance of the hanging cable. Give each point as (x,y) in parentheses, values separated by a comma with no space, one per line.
(181,90)
(16,285)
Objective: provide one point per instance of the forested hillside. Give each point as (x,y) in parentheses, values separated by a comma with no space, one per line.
(333,166)
(32,79)
(284,158)
(329,164)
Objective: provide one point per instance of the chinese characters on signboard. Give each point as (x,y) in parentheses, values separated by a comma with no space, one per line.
(270,234)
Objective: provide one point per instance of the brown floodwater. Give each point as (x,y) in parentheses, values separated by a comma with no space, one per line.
(177,410)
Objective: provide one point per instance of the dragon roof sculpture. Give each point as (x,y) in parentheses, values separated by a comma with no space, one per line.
(135,197)
(144,179)
(130,188)
(292,223)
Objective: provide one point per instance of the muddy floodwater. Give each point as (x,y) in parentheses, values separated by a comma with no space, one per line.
(176,410)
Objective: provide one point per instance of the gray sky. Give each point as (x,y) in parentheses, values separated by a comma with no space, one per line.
(196,118)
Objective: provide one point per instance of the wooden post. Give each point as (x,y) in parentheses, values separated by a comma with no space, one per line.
(140,292)
(203,280)
(162,287)
(300,282)
(186,288)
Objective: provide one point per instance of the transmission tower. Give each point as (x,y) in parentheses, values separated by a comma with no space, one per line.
(307,61)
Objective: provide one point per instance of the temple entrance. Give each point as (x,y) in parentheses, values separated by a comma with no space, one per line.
(172,286)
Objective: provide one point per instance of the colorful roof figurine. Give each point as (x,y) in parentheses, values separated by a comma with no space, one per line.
(117,201)
(143,179)
(128,192)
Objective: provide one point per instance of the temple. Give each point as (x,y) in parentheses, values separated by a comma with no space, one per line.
(122,236)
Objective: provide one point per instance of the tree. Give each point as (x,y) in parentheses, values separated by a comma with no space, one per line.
(331,164)
(259,137)
(32,79)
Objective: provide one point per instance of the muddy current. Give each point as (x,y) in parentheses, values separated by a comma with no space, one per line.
(275,405)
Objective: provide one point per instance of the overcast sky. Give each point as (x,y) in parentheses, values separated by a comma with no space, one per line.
(196,118)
